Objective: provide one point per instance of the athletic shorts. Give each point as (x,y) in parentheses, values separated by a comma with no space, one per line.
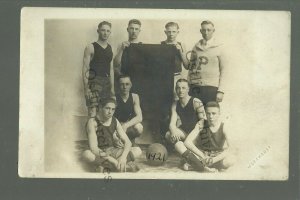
(114,152)
(204,93)
(100,88)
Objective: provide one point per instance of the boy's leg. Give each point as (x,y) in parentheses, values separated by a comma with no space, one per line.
(117,152)
(101,163)
(180,132)
(134,132)
(190,158)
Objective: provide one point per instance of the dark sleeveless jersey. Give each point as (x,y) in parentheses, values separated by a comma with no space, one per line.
(124,110)
(100,64)
(105,133)
(188,115)
(178,59)
(210,141)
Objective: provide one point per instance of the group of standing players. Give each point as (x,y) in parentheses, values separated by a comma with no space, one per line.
(115,119)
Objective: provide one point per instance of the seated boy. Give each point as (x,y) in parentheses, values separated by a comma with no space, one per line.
(109,144)
(208,141)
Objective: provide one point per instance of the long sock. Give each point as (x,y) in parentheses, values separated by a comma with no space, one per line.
(193,160)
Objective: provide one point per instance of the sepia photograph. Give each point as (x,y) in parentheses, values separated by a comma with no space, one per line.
(154,94)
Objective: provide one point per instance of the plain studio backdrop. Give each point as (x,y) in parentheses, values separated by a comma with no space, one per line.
(256,100)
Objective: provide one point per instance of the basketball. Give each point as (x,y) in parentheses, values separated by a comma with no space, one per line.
(156,154)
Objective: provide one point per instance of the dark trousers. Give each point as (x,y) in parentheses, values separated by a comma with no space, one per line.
(204,93)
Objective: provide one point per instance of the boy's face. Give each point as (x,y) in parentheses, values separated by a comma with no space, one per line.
(182,89)
(171,33)
(212,114)
(207,31)
(125,85)
(108,110)
(104,32)
(133,31)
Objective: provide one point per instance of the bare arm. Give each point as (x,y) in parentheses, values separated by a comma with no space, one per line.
(124,138)
(118,57)
(189,141)
(86,66)
(112,79)
(92,138)
(199,108)
(117,61)
(127,145)
(137,111)
(183,52)
(226,148)
(173,119)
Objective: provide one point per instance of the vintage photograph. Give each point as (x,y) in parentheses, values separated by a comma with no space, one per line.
(154,94)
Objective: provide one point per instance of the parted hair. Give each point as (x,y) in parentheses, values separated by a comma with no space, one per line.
(124,76)
(134,21)
(182,80)
(172,24)
(213,104)
(104,23)
(207,22)
(107,100)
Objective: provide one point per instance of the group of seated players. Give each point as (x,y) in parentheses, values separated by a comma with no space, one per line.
(115,120)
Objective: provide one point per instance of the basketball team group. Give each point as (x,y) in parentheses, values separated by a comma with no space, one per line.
(196,131)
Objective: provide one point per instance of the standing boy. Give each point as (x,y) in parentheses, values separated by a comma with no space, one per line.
(171,31)
(97,71)
(133,29)
(206,68)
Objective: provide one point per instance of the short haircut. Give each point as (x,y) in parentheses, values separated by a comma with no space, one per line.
(104,23)
(212,104)
(207,22)
(105,101)
(124,76)
(172,24)
(134,21)
(182,80)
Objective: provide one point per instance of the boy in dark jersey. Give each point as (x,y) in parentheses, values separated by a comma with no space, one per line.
(97,71)
(209,140)
(129,111)
(133,29)
(171,31)
(190,111)
(109,144)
